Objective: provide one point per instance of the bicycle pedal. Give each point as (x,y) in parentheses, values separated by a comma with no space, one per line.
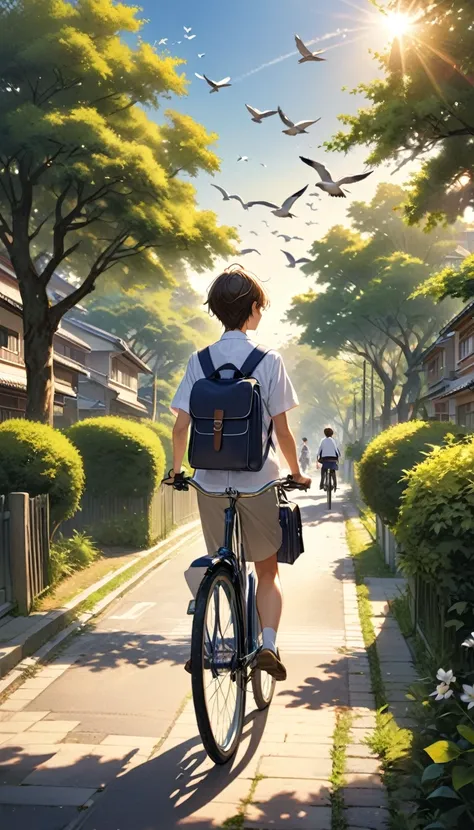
(191,607)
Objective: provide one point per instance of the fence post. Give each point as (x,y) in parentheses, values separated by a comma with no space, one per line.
(19,540)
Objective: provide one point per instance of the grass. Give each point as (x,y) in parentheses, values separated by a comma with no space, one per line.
(237,822)
(388,741)
(341,738)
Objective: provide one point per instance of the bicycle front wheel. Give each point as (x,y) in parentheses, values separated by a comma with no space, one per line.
(218,681)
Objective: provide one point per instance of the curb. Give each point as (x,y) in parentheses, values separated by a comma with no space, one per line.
(59,624)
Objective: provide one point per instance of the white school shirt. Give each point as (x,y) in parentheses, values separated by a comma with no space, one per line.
(328,448)
(278,395)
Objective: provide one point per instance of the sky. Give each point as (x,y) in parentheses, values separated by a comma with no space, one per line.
(239,39)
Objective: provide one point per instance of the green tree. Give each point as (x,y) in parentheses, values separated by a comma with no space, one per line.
(452,282)
(85,174)
(364,305)
(422,108)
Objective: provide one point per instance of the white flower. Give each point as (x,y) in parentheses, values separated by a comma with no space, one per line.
(469,643)
(442,692)
(468,696)
(445,676)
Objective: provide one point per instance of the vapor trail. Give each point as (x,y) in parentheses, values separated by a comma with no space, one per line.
(291,54)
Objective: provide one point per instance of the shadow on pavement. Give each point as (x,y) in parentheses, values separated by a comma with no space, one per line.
(104,650)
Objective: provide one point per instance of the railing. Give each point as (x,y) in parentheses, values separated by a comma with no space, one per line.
(38,545)
(11,357)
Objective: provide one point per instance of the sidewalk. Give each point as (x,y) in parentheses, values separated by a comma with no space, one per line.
(113,713)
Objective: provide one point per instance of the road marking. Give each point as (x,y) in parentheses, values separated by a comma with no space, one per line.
(135,612)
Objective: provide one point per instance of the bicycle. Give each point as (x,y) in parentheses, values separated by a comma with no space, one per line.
(329,483)
(226,634)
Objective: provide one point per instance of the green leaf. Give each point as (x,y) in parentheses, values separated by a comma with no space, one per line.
(457,624)
(435,825)
(443,751)
(466,732)
(462,776)
(458,607)
(443,792)
(432,772)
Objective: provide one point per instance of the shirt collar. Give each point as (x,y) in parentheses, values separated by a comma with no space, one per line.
(237,335)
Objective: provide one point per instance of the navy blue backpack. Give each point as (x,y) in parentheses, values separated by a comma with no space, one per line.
(227,417)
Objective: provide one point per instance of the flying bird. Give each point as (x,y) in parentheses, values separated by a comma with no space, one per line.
(264,222)
(163,41)
(311,223)
(283,211)
(262,164)
(292,262)
(315,194)
(254,233)
(289,238)
(201,55)
(306,54)
(295,129)
(311,206)
(189,37)
(215,85)
(226,196)
(327,184)
(274,233)
(243,158)
(188,29)
(258,115)
(246,251)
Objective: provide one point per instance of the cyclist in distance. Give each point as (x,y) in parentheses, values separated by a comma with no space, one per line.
(305,455)
(238,300)
(328,456)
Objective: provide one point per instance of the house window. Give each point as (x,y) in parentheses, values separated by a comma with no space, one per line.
(466,346)
(465,415)
(435,367)
(441,412)
(9,340)
(122,375)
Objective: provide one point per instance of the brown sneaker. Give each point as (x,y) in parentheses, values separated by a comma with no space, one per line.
(270,662)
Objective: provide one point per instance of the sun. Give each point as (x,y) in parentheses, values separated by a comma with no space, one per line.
(398,24)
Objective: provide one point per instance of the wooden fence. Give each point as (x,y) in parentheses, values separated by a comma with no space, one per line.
(24,550)
(132,521)
(5,571)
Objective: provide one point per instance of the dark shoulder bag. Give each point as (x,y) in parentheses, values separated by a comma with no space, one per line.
(291,530)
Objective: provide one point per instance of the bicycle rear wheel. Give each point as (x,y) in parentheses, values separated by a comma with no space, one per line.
(263,684)
(218,681)
(329,488)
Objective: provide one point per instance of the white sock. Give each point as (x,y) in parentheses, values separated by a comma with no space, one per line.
(269,639)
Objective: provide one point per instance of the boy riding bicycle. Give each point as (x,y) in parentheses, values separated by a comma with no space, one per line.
(237,299)
(328,456)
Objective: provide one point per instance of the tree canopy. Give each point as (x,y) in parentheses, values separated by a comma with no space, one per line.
(422,108)
(363,305)
(86,175)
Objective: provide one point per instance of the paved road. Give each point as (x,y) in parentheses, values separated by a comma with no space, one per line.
(95,718)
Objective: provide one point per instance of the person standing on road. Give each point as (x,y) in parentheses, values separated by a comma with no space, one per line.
(305,456)
(238,300)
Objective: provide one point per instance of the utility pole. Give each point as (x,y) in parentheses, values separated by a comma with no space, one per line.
(372,404)
(364,384)
(155,397)
(355,417)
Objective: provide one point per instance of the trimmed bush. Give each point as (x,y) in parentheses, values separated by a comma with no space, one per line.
(436,524)
(165,435)
(121,457)
(35,459)
(398,449)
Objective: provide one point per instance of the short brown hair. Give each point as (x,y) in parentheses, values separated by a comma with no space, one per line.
(232,295)
(328,432)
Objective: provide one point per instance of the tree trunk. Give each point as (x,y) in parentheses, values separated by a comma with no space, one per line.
(409,394)
(387,403)
(38,337)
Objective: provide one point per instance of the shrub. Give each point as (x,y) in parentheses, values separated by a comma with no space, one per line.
(396,450)
(436,525)
(165,435)
(69,555)
(355,450)
(121,457)
(35,458)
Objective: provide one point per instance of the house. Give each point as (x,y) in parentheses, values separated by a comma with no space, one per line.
(69,359)
(111,387)
(449,369)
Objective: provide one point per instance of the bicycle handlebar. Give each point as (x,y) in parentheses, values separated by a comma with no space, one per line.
(183,483)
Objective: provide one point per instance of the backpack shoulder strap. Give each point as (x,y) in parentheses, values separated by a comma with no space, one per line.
(205,360)
(251,362)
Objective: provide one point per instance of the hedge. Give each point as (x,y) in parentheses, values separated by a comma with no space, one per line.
(35,458)
(121,457)
(396,450)
(165,435)
(436,524)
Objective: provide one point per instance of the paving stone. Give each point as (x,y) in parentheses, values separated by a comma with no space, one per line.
(359,751)
(79,766)
(13,705)
(130,740)
(31,717)
(46,796)
(13,728)
(210,817)
(281,815)
(25,739)
(354,797)
(92,738)
(277,767)
(295,750)
(307,792)
(54,726)
(361,699)
(309,738)
(368,818)
(17,763)
(366,765)
(33,817)
(363,781)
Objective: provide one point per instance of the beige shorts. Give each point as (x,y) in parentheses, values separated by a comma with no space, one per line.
(261,531)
